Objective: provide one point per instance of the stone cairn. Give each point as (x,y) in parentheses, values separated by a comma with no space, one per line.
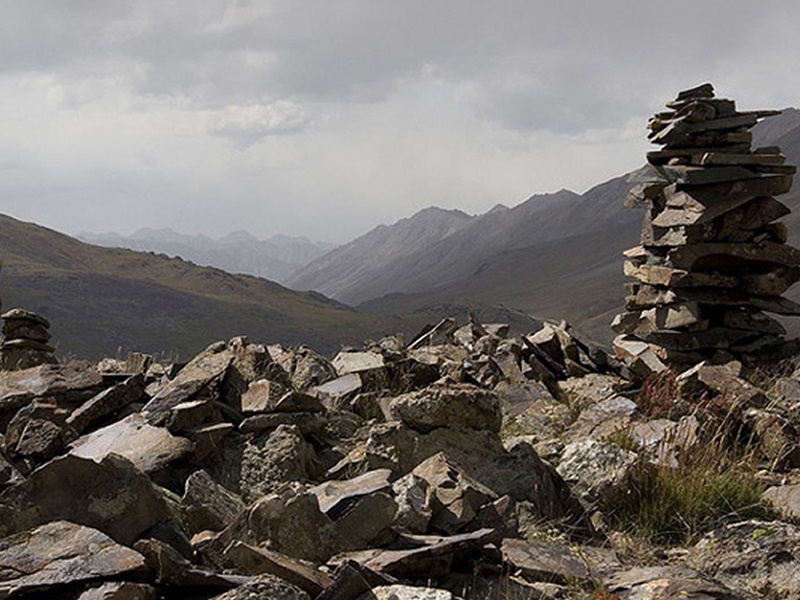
(712,260)
(26,336)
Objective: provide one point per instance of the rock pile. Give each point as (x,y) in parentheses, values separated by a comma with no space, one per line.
(25,344)
(260,471)
(713,258)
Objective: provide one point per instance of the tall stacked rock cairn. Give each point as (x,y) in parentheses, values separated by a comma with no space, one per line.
(25,344)
(713,259)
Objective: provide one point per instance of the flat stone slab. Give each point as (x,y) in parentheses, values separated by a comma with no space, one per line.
(60,553)
(149,448)
(332,493)
(357,362)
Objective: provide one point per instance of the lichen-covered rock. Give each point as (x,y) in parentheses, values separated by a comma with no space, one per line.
(55,555)
(448,406)
(264,586)
(760,557)
(600,473)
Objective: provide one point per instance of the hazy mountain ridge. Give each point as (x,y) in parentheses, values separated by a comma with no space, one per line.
(274,258)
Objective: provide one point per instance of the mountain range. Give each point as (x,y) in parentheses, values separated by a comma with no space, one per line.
(556,256)
(274,258)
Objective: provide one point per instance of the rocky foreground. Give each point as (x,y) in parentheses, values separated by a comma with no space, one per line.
(468,464)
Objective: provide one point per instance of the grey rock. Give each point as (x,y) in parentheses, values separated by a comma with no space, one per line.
(106,403)
(208,505)
(204,373)
(149,448)
(448,406)
(559,563)
(657,583)
(265,586)
(600,473)
(271,459)
(456,497)
(333,496)
(120,590)
(406,592)
(758,557)
(785,500)
(55,555)
(110,495)
(413,497)
(253,560)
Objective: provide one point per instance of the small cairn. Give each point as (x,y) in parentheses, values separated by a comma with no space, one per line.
(713,259)
(25,344)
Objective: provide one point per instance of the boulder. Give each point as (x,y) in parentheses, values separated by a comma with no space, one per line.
(273,458)
(106,403)
(785,500)
(208,505)
(456,498)
(760,557)
(264,586)
(110,495)
(448,406)
(405,592)
(51,557)
(149,448)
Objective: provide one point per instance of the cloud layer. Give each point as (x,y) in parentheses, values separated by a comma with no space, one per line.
(325,119)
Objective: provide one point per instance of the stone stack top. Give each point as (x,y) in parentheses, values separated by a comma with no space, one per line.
(713,256)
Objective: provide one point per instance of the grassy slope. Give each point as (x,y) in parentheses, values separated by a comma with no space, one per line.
(105,300)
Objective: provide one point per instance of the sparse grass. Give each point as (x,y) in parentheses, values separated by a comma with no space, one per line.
(713,484)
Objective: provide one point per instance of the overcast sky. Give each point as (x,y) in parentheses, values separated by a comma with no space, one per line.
(325,118)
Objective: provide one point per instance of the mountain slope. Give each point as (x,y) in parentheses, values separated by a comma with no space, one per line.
(106,300)
(368,262)
(238,252)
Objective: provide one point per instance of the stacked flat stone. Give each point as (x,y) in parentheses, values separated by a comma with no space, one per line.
(713,259)
(25,344)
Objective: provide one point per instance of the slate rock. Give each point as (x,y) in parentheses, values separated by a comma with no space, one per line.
(264,586)
(204,373)
(785,500)
(120,590)
(558,563)
(149,448)
(760,557)
(600,473)
(253,560)
(448,406)
(50,557)
(110,495)
(287,521)
(107,402)
(657,583)
(208,505)
(456,497)
(406,592)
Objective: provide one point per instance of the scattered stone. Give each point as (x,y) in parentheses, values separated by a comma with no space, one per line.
(55,555)
(761,557)
(655,583)
(785,500)
(265,586)
(448,406)
(110,495)
(208,505)
(148,448)
(600,473)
